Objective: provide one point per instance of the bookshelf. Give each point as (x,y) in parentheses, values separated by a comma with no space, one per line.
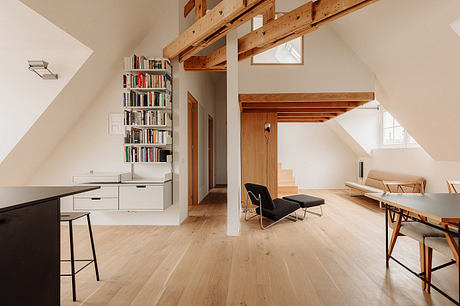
(147,110)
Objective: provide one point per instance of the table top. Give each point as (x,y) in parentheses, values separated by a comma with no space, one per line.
(443,207)
(16,197)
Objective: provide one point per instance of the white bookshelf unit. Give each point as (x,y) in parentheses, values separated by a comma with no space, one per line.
(147,108)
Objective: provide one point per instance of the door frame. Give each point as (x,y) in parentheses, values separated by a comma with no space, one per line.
(210,152)
(192,148)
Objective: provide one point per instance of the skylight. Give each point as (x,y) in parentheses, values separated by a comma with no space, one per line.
(455,25)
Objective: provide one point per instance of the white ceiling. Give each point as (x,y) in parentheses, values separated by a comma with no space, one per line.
(27,36)
(415,55)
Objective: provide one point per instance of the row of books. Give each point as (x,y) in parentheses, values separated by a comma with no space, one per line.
(146,155)
(147,136)
(147,117)
(142,62)
(133,98)
(145,80)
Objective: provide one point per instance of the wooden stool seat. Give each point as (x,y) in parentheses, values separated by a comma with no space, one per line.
(70,216)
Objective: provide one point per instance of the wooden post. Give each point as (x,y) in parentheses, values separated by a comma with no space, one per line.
(233,137)
(200,9)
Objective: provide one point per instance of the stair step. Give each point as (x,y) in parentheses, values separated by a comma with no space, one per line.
(288,189)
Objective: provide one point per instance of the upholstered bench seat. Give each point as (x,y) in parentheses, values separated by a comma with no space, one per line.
(440,244)
(281,209)
(304,200)
(419,231)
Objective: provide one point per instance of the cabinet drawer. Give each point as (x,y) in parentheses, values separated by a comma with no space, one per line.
(95,204)
(141,197)
(103,192)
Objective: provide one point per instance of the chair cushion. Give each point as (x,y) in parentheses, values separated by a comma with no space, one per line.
(265,197)
(363,188)
(304,200)
(282,209)
(440,244)
(419,231)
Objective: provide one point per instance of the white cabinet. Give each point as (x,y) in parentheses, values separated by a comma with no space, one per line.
(127,195)
(95,204)
(145,196)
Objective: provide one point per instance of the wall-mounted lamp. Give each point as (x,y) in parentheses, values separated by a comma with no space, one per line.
(267,127)
(41,68)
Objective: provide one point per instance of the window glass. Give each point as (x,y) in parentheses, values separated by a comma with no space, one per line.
(393,133)
(290,52)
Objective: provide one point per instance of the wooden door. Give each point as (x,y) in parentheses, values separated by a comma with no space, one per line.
(192,145)
(211,152)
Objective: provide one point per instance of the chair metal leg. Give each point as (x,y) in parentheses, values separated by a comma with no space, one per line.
(72,262)
(92,246)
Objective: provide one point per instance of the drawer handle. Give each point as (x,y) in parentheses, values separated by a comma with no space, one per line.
(95,199)
(2,221)
(141,186)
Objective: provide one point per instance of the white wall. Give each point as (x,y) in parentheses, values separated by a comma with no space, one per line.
(329,66)
(26,35)
(87,146)
(363,125)
(414,54)
(320,160)
(417,162)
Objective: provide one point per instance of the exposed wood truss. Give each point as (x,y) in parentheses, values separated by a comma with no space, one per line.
(225,16)
(304,107)
(303,20)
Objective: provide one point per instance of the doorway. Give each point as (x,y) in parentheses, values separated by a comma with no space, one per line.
(211,152)
(192,118)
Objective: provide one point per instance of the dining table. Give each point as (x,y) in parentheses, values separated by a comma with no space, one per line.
(440,211)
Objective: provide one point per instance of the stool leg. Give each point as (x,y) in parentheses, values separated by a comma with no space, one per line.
(72,262)
(92,246)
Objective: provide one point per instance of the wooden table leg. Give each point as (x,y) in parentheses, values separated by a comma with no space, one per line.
(395,234)
(422,263)
(452,244)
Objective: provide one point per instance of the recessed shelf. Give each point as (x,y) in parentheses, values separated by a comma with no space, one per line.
(148,89)
(155,127)
(146,144)
(165,108)
(153,71)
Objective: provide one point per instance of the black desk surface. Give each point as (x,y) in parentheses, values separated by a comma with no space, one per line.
(444,207)
(16,197)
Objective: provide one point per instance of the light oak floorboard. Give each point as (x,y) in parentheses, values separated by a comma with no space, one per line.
(337,259)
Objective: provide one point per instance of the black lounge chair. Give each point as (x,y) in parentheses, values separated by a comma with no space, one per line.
(275,210)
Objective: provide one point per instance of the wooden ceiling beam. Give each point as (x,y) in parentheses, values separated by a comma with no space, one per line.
(306,114)
(200,9)
(283,105)
(301,120)
(307,97)
(225,16)
(200,63)
(303,20)
(189,7)
(269,14)
(295,110)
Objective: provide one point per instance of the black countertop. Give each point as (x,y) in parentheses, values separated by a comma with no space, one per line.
(16,197)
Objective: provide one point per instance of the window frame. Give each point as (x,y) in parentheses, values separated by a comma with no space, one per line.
(302,51)
(405,145)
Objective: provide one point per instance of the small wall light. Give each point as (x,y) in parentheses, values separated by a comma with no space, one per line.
(40,67)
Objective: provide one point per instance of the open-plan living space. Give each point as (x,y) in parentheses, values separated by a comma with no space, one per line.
(229,152)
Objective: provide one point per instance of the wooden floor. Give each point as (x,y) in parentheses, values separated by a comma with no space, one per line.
(337,259)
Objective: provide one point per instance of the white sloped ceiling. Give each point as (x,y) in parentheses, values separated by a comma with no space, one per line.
(415,56)
(111,28)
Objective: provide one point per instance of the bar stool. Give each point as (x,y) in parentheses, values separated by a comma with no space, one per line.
(70,217)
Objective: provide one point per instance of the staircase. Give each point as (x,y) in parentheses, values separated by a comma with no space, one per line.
(286,182)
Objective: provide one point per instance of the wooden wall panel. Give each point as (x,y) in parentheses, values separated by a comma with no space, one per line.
(259,160)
